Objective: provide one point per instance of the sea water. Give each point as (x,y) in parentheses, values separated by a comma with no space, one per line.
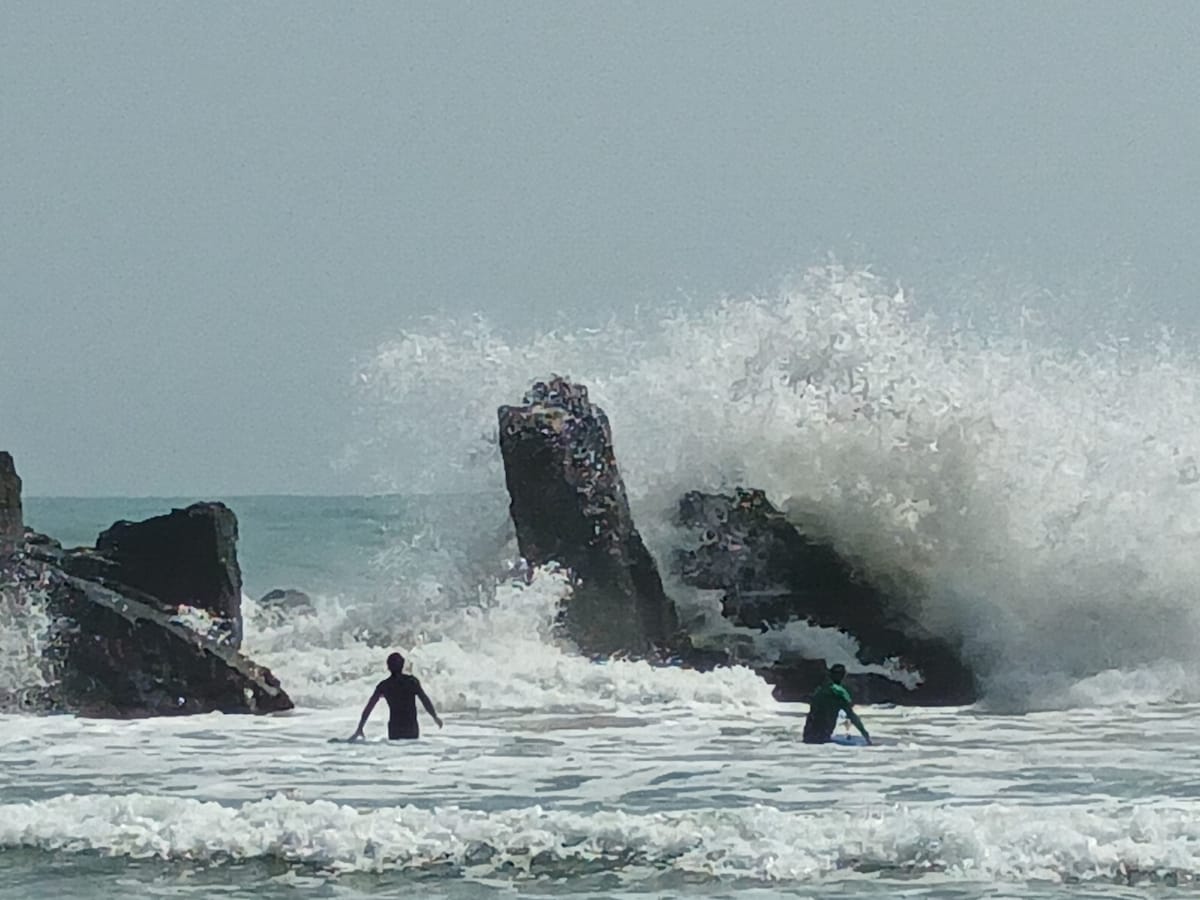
(1033,501)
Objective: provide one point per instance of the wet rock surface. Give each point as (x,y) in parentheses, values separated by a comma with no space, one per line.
(569,506)
(118,656)
(146,623)
(286,600)
(11,523)
(772,574)
(284,604)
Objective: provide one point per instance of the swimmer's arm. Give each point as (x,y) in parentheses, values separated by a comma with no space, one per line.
(366,714)
(428,704)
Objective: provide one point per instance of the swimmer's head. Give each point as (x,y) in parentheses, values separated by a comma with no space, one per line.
(395,664)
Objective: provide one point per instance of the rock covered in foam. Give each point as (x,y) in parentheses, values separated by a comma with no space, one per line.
(772,574)
(569,506)
(123,636)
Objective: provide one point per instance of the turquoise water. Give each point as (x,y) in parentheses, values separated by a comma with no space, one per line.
(558,776)
(320,544)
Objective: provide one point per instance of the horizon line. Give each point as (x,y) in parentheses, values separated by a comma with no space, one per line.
(256,495)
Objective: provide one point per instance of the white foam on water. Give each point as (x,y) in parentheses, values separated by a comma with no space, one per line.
(807,641)
(499,653)
(988,841)
(1037,503)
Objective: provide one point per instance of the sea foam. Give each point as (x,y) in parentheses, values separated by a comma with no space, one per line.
(989,841)
(499,652)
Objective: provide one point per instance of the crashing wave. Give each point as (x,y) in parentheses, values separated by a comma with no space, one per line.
(992,842)
(1037,501)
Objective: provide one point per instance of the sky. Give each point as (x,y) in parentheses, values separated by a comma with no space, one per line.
(210,213)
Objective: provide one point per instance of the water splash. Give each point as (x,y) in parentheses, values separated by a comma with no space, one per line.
(498,653)
(1039,503)
(24,634)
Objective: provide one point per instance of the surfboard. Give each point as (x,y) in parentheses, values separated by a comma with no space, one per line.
(849,740)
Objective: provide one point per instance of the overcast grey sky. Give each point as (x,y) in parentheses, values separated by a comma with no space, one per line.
(207,210)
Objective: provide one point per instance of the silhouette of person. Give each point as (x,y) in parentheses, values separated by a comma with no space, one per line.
(401,693)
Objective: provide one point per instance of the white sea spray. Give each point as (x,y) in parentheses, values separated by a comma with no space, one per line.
(1033,501)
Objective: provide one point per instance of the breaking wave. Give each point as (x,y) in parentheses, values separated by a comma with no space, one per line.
(496,653)
(993,842)
(1038,502)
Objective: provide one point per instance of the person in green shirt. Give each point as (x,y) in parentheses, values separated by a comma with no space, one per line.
(827,701)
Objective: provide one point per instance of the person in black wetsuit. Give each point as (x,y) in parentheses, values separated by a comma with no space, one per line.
(401,693)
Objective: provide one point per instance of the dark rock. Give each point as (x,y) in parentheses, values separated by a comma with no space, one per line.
(111,655)
(772,574)
(569,506)
(12,526)
(118,642)
(287,599)
(42,548)
(187,557)
(281,605)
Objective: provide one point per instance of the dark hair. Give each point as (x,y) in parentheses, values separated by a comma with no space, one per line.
(837,670)
(395,663)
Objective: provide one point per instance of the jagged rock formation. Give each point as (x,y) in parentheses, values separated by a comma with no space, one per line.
(11,523)
(187,557)
(117,656)
(568,505)
(771,574)
(146,623)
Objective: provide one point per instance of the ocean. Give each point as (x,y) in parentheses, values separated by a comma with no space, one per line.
(1037,502)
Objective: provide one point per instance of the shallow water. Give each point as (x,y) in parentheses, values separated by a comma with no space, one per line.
(655,799)
(558,776)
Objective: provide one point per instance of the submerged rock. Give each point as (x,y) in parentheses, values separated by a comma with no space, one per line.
(286,600)
(147,623)
(568,505)
(772,574)
(281,605)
